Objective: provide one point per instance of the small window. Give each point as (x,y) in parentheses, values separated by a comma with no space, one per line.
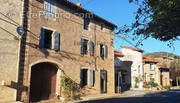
(103,51)
(102,27)
(152,67)
(83,77)
(152,76)
(49,39)
(139,69)
(50,8)
(86,23)
(84,46)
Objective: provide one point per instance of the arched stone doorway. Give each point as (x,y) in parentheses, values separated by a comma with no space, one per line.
(43,81)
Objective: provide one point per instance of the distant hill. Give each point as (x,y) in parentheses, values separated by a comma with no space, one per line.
(166,59)
(162,55)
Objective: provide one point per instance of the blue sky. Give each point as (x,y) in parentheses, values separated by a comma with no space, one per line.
(121,12)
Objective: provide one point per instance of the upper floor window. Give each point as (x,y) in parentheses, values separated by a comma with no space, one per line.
(49,39)
(103,51)
(87,47)
(86,23)
(50,8)
(152,67)
(102,27)
(84,46)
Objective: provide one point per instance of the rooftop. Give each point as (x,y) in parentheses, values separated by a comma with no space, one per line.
(82,10)
(118,53)
(131,48)
(149,60)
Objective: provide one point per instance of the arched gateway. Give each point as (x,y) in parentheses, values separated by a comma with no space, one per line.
(43,81)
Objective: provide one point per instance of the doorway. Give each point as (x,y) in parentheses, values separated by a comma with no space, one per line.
(103,81)
(43,81)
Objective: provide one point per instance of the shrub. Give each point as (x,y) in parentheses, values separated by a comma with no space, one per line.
(168,87)
(152,84)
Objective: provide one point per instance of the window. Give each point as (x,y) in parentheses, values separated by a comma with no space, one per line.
(84,46)
(102,27)
(49,39)
(152,67)
(86,23)
(50,8)
(86,77)
(103,51)
(152,76)
(83,77)
(139,69)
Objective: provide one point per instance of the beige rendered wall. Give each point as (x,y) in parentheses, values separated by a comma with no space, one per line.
(9,48)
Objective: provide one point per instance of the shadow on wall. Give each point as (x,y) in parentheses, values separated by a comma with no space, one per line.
(127,79)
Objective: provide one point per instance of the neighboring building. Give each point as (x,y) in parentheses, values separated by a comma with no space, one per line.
(151,71)
(135,56)
(164,77)
(122,72)
(80,47)
(155,73)
(10,19)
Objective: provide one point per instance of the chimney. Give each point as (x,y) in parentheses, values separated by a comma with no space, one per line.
(79,4)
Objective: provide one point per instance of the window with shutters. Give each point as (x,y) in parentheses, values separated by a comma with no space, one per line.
(84,46)
(103,51)
(50,8)
(102,27)
(86,23)
(49,39)
(152,66)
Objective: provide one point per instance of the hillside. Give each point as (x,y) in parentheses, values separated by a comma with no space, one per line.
(166,59)
(162,55)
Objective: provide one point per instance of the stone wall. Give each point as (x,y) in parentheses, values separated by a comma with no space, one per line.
(68,58)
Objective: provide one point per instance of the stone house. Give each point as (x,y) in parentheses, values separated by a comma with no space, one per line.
(10,42)
(134,57)
(122,72)
(62,38)
(155,73)
(164,75)
(151,72)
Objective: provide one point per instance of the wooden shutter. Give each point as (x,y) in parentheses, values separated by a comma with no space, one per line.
(56,41)
(52,8)
(91,48)
(91,78)
(106,51)
(81,48)
(47,8)
(41,41)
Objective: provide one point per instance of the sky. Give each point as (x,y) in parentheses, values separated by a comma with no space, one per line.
(121,12)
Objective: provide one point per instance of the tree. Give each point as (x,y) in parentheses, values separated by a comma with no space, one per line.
(159,19)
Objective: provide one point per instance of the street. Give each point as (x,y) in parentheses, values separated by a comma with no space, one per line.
(172,96)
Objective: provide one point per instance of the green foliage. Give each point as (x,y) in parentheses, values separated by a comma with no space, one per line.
(136,86)
(168,87)
(152,84)
(159,19)
(70,88)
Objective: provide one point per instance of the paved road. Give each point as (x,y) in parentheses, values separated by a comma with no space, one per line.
(163,97)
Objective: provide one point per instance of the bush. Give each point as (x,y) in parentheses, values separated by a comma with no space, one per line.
(168,87)
(136,86)
(152,84)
